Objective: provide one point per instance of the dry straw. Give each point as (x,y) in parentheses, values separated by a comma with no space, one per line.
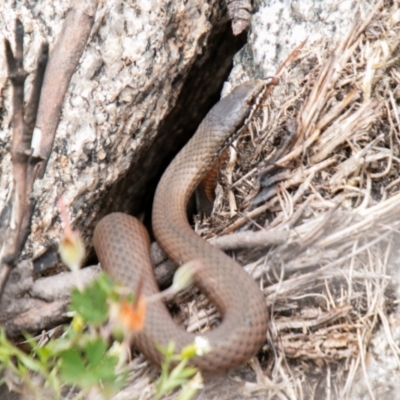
(336,192)
(320,166)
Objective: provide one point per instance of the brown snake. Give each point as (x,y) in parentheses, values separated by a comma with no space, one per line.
(122,245)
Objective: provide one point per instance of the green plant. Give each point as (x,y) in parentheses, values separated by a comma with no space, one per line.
(179,375)
(83,357)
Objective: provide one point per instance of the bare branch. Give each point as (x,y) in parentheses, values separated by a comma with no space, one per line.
(249,240)
(20,151)
(62,64)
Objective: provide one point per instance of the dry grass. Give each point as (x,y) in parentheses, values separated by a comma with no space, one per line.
(336,191)
(322,163)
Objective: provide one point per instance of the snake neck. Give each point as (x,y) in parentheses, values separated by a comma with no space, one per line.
(221,125)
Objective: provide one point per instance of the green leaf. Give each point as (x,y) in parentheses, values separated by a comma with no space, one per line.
(91,303)
(105,370)
(95,350)
(60,345)
(43,353)
(183,373)
(72,367)
(90,367)
(30,363)
(105,284)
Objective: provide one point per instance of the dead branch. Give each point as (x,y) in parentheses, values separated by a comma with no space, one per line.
(35,315)
(316,319)
(58,287)
(249,240)
(62,64)
(12,234)
(30,306)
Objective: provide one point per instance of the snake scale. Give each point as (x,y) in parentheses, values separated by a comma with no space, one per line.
(122,245)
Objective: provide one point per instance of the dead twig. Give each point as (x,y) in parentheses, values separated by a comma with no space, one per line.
(248,240)
(12,232)
(62,65)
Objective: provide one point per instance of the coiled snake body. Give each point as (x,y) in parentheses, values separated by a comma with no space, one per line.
(122,245)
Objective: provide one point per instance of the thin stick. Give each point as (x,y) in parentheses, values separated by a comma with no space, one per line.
(63,62)
(20,151)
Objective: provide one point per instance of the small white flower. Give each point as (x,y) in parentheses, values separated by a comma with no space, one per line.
(202,345)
